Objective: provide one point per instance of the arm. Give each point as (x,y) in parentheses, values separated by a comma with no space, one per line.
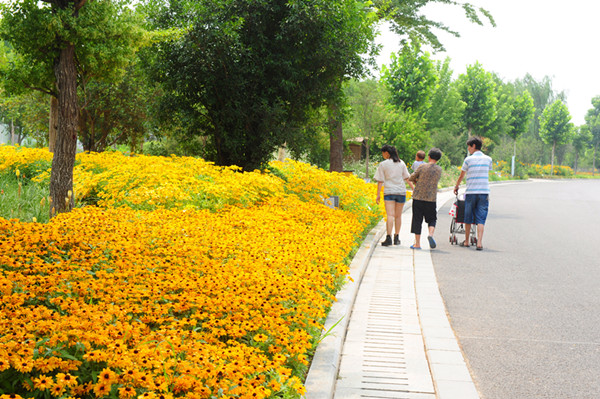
(379,185)
(410,183)
(462,175)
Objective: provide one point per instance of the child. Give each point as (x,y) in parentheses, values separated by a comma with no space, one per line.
(419,160)
(426,180)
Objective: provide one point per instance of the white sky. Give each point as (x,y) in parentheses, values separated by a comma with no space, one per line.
(554,38)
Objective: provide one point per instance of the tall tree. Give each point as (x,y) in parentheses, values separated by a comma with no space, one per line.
(555,126)
(592,121)
(478,91)
(444,117)
(521,115)
(411,79)
(247,73)
(542,93)
(582,139)
(59,45)
(367,104)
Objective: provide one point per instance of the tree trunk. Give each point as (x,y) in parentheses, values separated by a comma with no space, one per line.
(336,139)
(61,178)
(53,124)
(281,154)
(367,156)
(12,132)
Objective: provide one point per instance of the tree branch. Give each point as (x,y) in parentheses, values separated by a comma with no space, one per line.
(45,91)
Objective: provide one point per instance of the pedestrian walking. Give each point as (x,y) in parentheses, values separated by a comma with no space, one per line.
(425,180)
(392,174)
(476,168)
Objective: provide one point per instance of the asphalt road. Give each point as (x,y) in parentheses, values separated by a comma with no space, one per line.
(526,309)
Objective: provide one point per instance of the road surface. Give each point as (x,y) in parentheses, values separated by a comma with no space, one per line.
(526,309)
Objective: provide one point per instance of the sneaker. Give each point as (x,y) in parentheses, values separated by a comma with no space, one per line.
(396,239)
(387,242)
(431,242)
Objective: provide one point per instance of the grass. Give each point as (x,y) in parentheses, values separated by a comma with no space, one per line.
(23,199)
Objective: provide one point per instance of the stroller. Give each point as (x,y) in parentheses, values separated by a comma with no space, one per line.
(457,211)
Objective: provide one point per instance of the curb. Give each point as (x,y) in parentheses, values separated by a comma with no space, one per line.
(321,379)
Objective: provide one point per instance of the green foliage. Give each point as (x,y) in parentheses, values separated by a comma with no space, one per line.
(106,35)
(555,126)
(478,91)
(311,142)
(406,131)
(247,72)
(445,113)
(408,21)
(28,112)
(117,113)
(521,114)
(411,79)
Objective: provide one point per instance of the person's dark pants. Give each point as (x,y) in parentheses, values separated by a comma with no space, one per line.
(420,210)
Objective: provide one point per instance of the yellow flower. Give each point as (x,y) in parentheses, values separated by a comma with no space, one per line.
(43,382)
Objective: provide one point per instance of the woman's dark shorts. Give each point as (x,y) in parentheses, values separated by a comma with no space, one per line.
(395,197)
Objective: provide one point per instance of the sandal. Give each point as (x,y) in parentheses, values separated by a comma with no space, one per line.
(480,248)
(464,244)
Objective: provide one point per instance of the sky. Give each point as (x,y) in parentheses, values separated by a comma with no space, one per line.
(553,38)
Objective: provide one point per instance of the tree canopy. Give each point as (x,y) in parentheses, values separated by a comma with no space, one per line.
(246,73)
(477,90)
(555,126)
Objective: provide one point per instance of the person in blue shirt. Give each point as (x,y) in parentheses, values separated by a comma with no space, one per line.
(476,167)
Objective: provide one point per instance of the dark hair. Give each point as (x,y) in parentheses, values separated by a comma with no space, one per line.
(475,141)
(435,154)
(392,151)
(421,154)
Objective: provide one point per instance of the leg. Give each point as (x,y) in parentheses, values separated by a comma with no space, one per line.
(467,233)
(431,230)
(470,205)
(481,212)
(390,212)
(430,213)
(480,228)
(417,222)
(399,206)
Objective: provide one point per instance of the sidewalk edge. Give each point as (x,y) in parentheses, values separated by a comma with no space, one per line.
(322,375)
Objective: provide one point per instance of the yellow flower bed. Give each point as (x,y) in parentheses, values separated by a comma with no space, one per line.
(172,300)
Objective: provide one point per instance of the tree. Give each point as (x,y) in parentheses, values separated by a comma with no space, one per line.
(521,115)
(411,79)
(27,116)
(367,103)
(444,117)
(59,45)
(555,126)
(592,121)
(247,73)
(542,94)
(477,90)
(581,140)
(116,113)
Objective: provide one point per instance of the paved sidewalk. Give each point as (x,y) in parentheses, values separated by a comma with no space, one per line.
(392,338)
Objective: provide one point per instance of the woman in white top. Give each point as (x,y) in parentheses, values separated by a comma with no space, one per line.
(392,175)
